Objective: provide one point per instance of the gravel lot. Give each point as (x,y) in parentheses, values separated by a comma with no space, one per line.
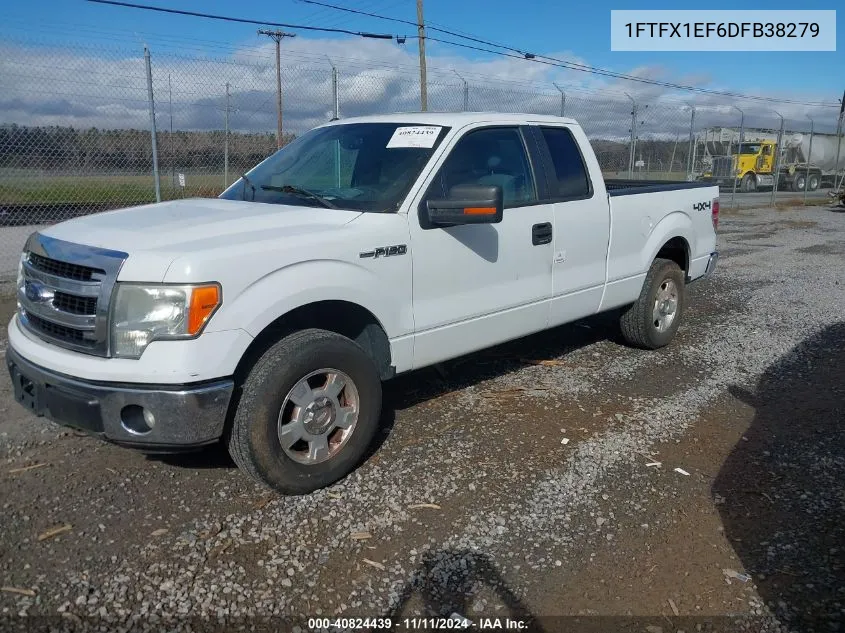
(550,490)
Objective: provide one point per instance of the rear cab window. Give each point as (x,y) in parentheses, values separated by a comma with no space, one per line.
(569,179)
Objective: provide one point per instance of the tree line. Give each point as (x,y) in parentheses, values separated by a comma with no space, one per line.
(55,148)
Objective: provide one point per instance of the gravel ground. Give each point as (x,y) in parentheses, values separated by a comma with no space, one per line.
(499,488)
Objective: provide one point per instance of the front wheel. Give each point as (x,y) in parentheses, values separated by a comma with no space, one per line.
(653,319)
(749,183)
(307,413)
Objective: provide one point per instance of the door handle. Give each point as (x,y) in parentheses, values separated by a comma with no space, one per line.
(541,233)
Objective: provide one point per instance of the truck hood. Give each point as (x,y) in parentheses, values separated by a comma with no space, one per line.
(155,235)
(181,225)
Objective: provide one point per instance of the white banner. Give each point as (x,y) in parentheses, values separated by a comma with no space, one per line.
(714,30)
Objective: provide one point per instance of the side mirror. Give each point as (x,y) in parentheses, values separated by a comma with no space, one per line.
(467,204)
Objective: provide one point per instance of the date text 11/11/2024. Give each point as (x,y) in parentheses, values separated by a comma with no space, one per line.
(454,622)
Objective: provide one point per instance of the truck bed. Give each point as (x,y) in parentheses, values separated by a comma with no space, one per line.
(622,187)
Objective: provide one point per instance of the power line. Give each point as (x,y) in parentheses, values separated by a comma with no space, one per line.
(211,16)
(654,82)
(257,52)
(513,52)
(553,61)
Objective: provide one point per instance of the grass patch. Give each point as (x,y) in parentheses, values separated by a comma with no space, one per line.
(134,189)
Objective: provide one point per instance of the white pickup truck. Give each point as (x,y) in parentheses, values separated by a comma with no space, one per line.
(268,318)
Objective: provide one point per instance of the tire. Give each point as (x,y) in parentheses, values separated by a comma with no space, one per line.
(799,182)
(813,182)
(266,406)
(749,183)
(638,322)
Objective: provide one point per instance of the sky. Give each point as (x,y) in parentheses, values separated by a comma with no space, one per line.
(559,29)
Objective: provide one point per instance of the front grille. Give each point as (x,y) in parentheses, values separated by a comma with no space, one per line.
(722,166)
(58,268)
(75,305)
(56,331)
(61,300)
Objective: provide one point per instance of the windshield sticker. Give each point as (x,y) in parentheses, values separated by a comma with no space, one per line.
(417,136)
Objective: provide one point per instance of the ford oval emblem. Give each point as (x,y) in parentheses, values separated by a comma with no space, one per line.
(38,292)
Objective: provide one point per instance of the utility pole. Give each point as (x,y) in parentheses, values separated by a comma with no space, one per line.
(335,117)
(151,100)
(631,155)
(466,91)
(336,93)
(837,181)
(226,142)
(738,152)
(809,158)
(277,36)
(692,144)
(227,110)
(674,149)
(172,157)
(562,99)
(421,40)
(778,152)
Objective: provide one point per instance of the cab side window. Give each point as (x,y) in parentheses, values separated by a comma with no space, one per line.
(490,156)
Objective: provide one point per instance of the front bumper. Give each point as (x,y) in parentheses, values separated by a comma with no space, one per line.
(149,417)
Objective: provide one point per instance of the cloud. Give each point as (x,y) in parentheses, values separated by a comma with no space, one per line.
(106,88)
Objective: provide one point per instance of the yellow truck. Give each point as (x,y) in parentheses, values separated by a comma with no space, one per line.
(753,164)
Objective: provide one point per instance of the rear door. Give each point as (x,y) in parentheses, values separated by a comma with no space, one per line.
(581,222)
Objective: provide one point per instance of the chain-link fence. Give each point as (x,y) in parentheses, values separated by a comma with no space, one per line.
(77,133)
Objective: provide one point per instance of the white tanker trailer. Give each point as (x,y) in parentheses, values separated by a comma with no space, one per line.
(753,163)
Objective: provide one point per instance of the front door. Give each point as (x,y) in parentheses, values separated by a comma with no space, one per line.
(476,285)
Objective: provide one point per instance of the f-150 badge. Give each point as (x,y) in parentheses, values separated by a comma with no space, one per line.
(385,251)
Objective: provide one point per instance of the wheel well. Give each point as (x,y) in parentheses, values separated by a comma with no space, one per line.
(341,317)
(676,250)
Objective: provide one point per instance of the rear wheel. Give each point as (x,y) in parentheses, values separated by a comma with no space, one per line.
(749,183)
(652,321)
(813,182)
(799,183)
(307,413)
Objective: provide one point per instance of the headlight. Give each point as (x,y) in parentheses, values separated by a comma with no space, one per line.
(145,313)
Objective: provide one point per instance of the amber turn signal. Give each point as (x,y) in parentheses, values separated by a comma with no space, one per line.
(480,211)
(204,301)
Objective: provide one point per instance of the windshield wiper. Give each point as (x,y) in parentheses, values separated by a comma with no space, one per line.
(299,191)
(247,181)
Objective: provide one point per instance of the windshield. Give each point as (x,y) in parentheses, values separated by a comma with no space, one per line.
(358,166)
(749,148)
